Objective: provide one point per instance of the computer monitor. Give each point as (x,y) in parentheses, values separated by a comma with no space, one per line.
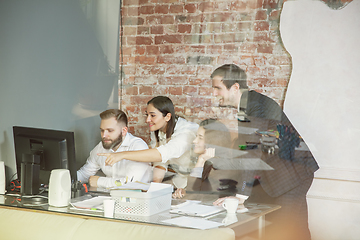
(39,151)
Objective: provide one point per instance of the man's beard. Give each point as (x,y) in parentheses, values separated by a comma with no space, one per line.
(113,143)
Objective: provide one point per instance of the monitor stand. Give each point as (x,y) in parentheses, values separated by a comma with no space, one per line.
(30,172)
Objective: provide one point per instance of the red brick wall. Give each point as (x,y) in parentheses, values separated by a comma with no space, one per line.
(170,47)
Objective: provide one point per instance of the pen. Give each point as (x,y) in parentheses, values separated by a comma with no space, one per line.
(248,146)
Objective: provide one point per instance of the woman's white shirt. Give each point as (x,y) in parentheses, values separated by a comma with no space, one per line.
(180,141)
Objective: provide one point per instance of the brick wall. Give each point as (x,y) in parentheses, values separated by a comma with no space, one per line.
(170,47)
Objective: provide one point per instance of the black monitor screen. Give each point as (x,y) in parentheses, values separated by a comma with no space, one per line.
(53,149)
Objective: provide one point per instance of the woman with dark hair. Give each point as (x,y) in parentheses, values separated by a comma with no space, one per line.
(171,138)
(212,141)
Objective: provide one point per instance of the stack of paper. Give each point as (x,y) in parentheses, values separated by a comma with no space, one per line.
(95,203)
(195,209)
(133,186)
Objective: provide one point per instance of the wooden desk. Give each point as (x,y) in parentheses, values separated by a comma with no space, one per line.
(256,212)
(253,219)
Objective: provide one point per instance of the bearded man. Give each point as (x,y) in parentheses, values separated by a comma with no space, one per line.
(114,138)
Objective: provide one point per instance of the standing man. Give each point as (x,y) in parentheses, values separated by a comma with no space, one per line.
(291,179)
(114,138)
(230,86)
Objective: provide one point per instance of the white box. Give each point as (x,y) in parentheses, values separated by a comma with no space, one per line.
(143,203)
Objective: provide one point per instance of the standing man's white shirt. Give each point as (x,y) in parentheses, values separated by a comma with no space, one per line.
(133,171)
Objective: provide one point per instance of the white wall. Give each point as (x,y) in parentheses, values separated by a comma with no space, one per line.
(322,102)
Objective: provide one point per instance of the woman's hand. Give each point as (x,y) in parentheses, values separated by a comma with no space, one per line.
(112,158)
(220,201)
(209,153)
(179,193)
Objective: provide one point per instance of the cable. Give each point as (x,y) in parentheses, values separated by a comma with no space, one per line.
(33,204)
(34,196)
(12,176)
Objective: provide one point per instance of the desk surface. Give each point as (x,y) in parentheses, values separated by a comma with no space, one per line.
(254,210)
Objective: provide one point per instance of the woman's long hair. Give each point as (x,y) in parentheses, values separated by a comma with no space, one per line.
(165,106)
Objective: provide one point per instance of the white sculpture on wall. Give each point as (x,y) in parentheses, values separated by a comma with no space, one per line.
(322,101)
(323,97)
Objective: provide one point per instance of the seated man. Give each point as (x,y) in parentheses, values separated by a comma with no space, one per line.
(114,138)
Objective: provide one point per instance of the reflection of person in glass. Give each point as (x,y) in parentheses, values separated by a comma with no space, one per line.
(171,138)
(290,180)
(212,140)
(114,138)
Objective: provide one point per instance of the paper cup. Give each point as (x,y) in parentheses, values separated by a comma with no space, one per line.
(109,205)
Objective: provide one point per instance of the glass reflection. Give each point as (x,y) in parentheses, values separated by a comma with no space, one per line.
(292,167)
(230,163)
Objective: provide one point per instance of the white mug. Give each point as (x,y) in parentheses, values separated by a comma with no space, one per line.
(231,204)
(229,219)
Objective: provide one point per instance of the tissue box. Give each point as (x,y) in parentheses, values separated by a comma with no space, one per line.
(156,199)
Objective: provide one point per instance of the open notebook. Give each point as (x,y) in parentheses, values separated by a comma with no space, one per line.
(195,209)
